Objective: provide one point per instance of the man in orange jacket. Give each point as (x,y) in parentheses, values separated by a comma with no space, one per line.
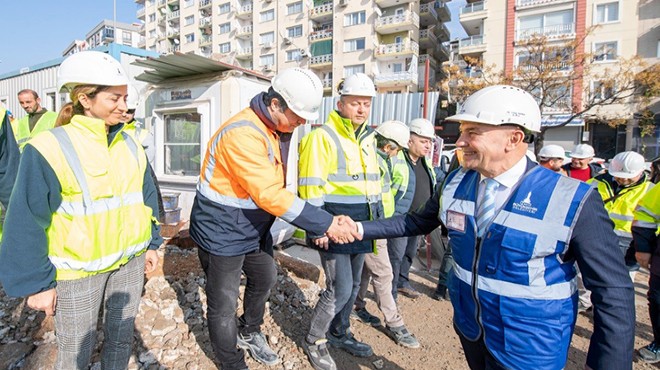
(240,192)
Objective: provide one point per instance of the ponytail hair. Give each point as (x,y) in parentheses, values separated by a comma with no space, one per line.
(65,114)
(74,107)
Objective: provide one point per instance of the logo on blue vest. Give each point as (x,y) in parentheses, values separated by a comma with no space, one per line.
(525,205)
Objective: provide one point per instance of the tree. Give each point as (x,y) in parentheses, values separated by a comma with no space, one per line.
(566,81)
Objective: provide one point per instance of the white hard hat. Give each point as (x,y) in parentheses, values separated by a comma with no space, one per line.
(396,131)
(133,98)
(90,68)
(302,91)
(501,105)
(358,84)
(582,151)
(627,165)
(422,127)
(552,151)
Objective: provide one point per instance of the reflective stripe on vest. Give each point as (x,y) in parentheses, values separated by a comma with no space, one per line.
(342,175)
(22,131)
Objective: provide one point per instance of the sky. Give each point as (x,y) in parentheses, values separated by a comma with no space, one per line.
(37,31)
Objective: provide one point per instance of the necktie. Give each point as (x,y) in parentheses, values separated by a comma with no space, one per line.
(486,210)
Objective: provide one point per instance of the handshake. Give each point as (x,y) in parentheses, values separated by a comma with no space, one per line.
(342,230)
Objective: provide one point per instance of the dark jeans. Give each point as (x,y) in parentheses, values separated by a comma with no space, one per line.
(402,251)
(342,280)
(477,355)
(223,279)
(446,260)
(654,306)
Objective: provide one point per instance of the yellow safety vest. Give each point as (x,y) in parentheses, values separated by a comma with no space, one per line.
(102,221)
(21,127)
(647,213)
(620,207)
(339,165)
(386,182)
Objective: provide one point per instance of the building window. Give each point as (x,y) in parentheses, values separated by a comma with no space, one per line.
(225,27)
(152,17)
(225,48)
(267,38)
(152,34)
(606,13)
(548,24)
(352,19)
(292,55)
(182,143)
(605,51)
(267,15)
(189,20)
(354,44)
(127,38)
(294,8)
(224,8)
(190,38)
(188,3)
(351,70)
(267,60)
(601,91)
(295,31)
(397,67)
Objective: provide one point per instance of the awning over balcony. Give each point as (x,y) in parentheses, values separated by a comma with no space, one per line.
(552,120)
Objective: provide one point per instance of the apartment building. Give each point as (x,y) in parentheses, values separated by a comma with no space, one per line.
(390,40)
(497,30)
(107,32)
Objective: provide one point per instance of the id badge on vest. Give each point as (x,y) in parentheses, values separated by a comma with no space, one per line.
(456,221)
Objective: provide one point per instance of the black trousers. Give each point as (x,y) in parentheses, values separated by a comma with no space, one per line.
(654,306)
(223,279)
(477,355)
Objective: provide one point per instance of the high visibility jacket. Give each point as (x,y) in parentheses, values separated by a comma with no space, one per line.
(22,131)
(143,137)
(621,205)
(404,181)
(241,190)
(102,221)
(338,169)
(646,227)
(512,286)
(386,182)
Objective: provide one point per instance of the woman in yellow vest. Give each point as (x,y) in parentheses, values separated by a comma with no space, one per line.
(80,230)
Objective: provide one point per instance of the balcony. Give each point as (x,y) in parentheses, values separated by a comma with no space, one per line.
(173,2)
(443,12)
(173,33)
(140,13)
(561,105)
(244,53)
(472,17)
(526,4)
(441,52)
(142,43)
(244,12)
(441,32)
(395,79)
(161,3)
(473,72)
(427,38)
(205,23)
(397,50)
(203,4)
(561,31)
(320,61)
(561,67)
(389,3)
(472,45)
(244,32)
(327,85)
(320,35)
(427,15)
(205,40)
(321,13)
(407,21)
(173,49)
(433,63)
(171,16)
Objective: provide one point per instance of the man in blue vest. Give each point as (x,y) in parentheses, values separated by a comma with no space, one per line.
(516,231)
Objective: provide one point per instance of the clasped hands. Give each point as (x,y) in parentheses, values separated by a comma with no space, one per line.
(342,230)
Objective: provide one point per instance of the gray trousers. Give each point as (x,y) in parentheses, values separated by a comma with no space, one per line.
(77,312)
(342,280)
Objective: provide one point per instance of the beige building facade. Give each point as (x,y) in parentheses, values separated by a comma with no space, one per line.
(390,40)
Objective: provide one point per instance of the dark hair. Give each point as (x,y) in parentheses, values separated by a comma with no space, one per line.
(382,141)
(272,94)
(28,91)
(74,107)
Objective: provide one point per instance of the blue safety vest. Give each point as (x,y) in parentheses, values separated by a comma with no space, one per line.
(514,287)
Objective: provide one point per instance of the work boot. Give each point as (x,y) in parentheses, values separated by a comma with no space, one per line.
(349,344)
(318,355)
(256,344)
(441,295)
(409,292)
(650,354)
(363,315)
(402,336)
